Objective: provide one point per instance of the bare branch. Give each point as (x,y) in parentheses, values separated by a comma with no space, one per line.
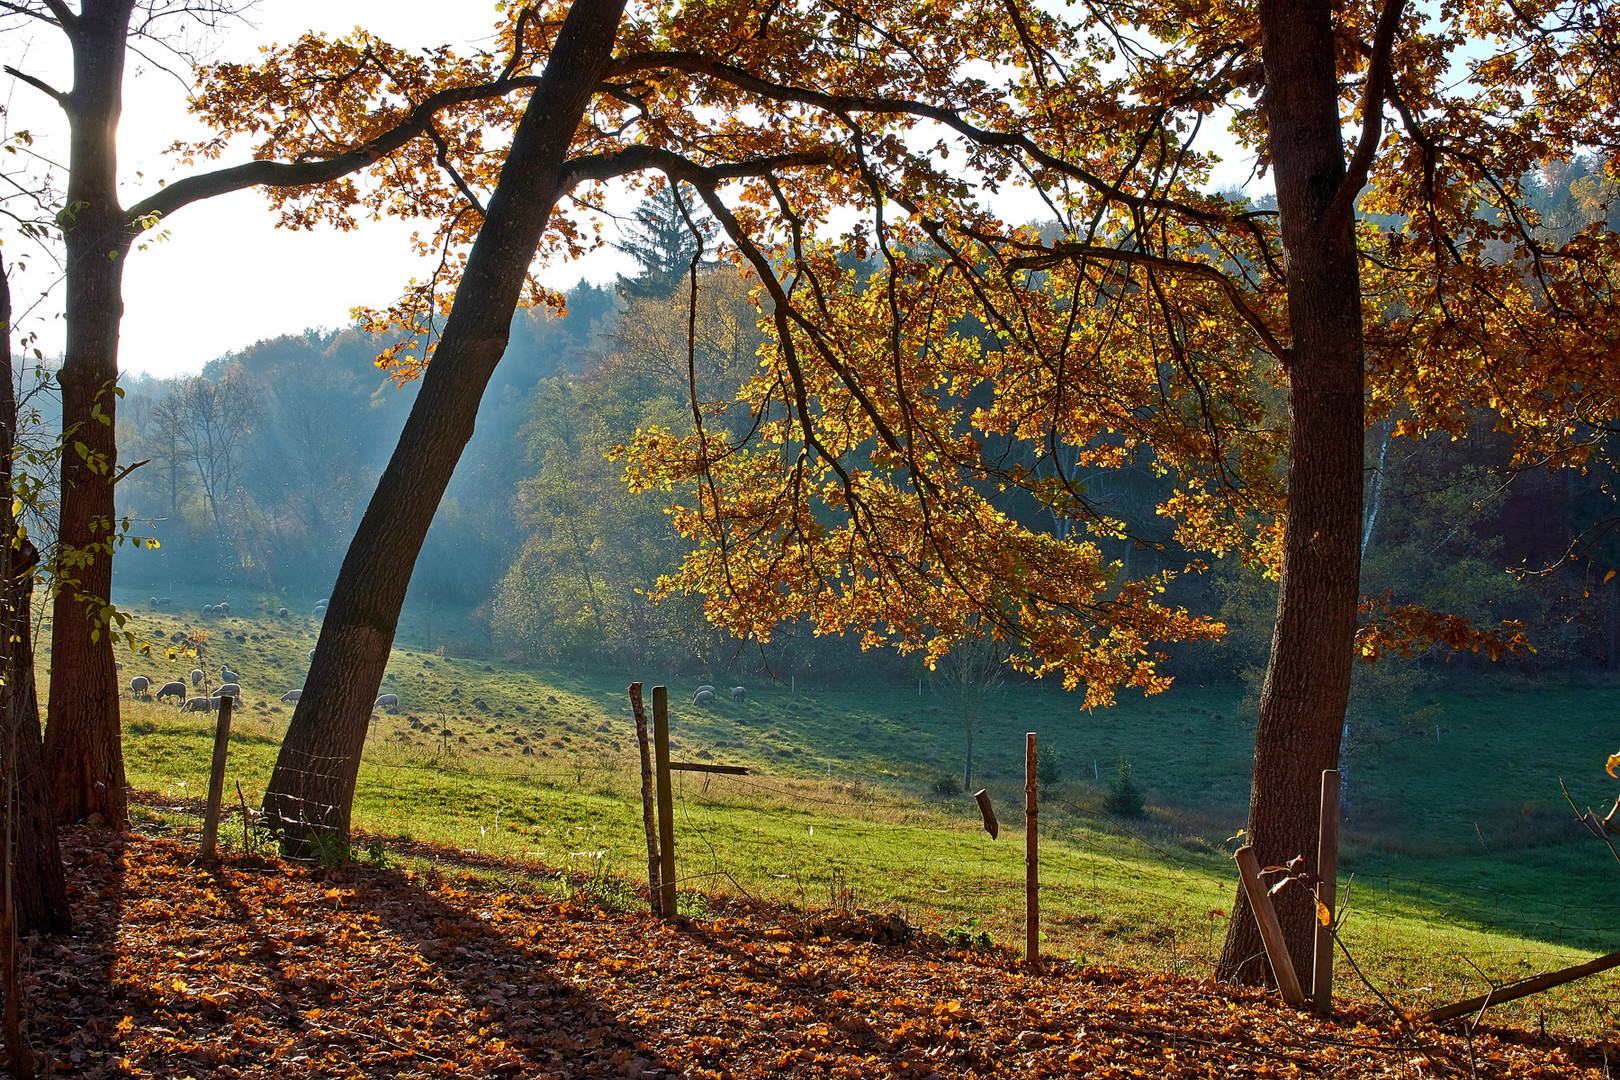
(39,84)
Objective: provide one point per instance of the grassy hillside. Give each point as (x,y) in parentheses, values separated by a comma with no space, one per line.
(1460,851)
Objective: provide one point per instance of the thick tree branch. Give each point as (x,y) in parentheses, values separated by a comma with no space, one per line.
(1372,120)
(640,157)
(417,122)
(844,104)
(40,85)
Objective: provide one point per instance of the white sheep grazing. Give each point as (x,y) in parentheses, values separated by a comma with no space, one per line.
(176,690)
(738,693)
(312,655)
(386,701)
(703,697)
(227,675)
(200,704)
(139,685)
(704,687)
(230,690)
(197,676)
(292,695)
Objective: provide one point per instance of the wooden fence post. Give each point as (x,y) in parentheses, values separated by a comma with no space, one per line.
(648,820)
(1282,965)
(216,780)
(666,802)
(1327,868)
(1032,859)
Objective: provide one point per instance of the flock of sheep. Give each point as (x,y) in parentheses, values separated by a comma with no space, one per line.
(705,695)
(230,685)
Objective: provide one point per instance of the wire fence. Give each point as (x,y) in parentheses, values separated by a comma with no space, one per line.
(1186,889)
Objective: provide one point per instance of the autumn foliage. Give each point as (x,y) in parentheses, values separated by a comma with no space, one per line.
(258,967)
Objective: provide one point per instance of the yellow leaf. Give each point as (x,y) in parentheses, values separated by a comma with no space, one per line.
(1614,763)
(1609,575)
(178,986)
(1323,915)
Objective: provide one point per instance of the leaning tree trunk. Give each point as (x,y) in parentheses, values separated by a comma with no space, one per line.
(311,791)
(83,750)
(37,887)
(1308,679)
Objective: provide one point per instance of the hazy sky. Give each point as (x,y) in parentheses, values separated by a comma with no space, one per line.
(226,277)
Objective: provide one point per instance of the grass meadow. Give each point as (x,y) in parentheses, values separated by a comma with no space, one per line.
(1463,861)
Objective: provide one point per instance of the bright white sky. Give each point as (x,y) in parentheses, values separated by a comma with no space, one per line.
(226,277)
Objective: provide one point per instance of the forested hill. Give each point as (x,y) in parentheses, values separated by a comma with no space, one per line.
(259,467)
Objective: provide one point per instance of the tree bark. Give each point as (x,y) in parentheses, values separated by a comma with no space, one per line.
(82,741)
(1307,683)
(36,889)
(312,788)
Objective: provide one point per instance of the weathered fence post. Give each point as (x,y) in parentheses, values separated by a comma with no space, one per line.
(1032,859)
(648,819)
(216,780)
(666,803)
(1327,868)
(1282,965)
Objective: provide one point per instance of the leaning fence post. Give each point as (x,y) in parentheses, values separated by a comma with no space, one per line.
(1282,965)
(648,820)
(1032,859)
(666,802)
(1327,868)
(216,780)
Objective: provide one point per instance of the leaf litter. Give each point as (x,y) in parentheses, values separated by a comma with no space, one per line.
(262,968)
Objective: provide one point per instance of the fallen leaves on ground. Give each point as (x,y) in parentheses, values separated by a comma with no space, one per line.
(261,968)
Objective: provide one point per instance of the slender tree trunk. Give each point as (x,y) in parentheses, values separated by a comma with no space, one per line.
(36,890)
(967,768)
(1307,683)
(82,741)
(312,788)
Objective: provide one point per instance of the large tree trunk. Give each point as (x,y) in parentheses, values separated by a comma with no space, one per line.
(312,788)
(1308,680)
(37,887)
(83,751)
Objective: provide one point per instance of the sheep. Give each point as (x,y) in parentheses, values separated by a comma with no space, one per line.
(174,689)
(164,601)
(703,697)
(323,602)
(200,704)
(208,609)
(704,687)
(230,690)
(152,602)
(312,655)
(227,675)
(118,665)
(386,701)
(738,693)
(139,685)
(196,676)
(281,613)
(222,608)
(292,695)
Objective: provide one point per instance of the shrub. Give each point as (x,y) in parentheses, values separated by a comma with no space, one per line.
(1125,798)
(948,784)
(1048,765)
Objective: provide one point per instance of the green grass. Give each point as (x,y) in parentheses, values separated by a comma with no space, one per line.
(1460,850)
